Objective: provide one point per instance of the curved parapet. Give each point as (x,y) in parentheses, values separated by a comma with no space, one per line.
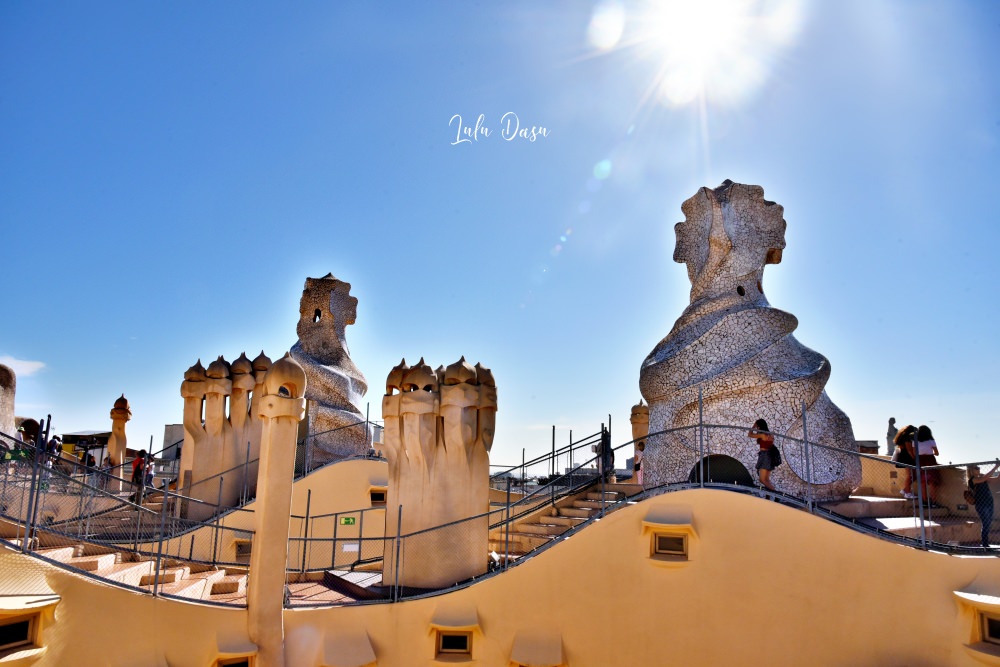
(740,352)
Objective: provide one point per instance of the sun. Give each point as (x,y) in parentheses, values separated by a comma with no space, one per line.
(716,50)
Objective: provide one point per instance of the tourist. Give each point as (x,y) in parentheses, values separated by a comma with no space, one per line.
(138,476)
(927,450)
(105,472)
(92,476)
(606,457)
(765,457)
(982,498)
(904,458)
(890,435)
(639,449)
(148,479)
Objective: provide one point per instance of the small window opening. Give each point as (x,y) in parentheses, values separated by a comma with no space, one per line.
(377,497)
(283,392)
(455,642)
(242,661)
(317,316)
(16,633)
(670,545)
(740,290)
(243,550)
(991,629)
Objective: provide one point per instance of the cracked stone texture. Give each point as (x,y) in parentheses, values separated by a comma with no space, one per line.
(741,352)
(334,385)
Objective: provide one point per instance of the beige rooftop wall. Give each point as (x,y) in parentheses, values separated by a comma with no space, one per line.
(764,584)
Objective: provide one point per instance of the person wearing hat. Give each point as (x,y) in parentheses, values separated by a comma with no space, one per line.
(20,433)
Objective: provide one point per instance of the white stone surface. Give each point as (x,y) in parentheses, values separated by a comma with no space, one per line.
(740,351)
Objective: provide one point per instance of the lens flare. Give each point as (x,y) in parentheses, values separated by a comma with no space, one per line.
(607,24)
(602,169)
(717,50)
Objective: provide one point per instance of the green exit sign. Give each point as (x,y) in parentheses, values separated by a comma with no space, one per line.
(348,520)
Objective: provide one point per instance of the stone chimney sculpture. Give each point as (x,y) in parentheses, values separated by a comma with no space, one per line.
(217,458)
(439,428)
(120,414)
(740,351)
(337,427)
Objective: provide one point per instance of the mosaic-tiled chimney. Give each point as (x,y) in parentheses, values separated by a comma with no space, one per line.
(740,352)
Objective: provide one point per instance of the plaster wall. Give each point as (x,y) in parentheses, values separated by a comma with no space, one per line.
(765,584)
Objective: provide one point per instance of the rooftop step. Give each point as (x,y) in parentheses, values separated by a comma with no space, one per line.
(576,512)
(209,577)
(61,554)
(863,507)
(539,528)
(529,541)
(92,563)
(131,574)
(230,583)
(590,504)
(167,576)
(186,588)
(607,496)
(566,521)
(942,530)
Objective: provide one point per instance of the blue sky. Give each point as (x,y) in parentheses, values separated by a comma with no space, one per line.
(171,174)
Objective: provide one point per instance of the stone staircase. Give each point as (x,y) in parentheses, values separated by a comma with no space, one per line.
(899,516)
(545,525)
(119,523)
(196,581)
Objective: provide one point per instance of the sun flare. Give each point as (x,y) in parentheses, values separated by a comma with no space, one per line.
(715,50)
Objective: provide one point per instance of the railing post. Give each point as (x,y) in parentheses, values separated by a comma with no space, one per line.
(32,489)
(399,526)
(159,546)
(701,440)
(361,535)
(809,473)
(305,528)
(333,558)
(218,520)
(506,545)
(601,462)
(246,476)
(920,496)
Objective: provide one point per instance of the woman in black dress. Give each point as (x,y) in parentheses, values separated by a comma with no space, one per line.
(904,457)
(979,486)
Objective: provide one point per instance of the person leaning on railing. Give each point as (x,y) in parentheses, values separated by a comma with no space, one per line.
(982,497)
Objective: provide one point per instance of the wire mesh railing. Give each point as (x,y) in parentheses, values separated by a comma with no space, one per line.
(941,507)
(355,440)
